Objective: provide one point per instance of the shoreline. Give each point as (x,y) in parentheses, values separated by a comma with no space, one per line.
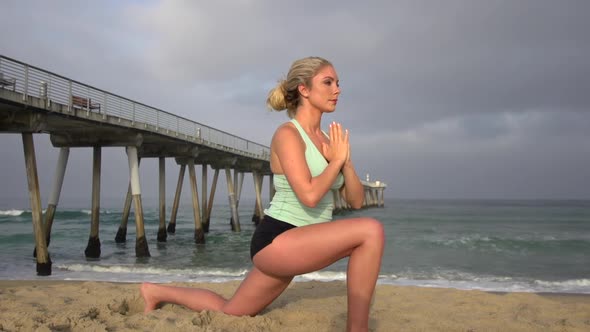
(7,282)
(4,283)
(305,306)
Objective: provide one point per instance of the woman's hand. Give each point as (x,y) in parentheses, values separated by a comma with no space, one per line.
(339,148)
(348,156)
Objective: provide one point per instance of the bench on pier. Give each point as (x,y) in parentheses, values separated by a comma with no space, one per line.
(84,103)
(7,81)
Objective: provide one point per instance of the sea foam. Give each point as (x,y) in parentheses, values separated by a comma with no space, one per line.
(12,212)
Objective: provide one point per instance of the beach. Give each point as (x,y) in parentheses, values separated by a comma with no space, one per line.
(34,305)
(447,266)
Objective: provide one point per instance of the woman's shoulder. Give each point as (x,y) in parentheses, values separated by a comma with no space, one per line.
(286,128)
(287,132)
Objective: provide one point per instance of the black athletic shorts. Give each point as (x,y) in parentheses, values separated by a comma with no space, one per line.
(265,233)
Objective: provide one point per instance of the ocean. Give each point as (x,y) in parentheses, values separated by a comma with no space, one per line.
(491,245)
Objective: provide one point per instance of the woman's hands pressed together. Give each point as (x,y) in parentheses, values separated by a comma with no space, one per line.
(338,150)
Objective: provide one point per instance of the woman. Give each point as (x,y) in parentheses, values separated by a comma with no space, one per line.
(294,237)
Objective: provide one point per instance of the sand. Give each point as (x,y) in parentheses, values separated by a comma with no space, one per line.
(304,306)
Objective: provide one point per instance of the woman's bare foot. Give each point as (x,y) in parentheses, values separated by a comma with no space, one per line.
(147,291)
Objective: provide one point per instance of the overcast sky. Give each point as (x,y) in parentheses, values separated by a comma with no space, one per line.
(443,99)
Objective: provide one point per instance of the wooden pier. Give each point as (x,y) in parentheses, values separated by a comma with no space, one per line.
(75,115)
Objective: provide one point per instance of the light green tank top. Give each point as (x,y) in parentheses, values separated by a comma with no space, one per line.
(286,207)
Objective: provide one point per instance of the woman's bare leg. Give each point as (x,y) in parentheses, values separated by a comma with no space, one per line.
(297,251)
(311,248)
(192,298)
(254,294)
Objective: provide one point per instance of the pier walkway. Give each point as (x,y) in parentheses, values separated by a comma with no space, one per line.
(33,100)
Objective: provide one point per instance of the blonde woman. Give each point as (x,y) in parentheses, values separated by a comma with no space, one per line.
(297,235)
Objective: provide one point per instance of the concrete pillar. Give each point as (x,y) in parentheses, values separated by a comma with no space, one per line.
(121,236)
(212,196)
(256,214)
(237,187)
(238,183)
(235,221)
(141,246)
(204,218)
(258,211)
(43,260)
(199,233)
(93,247)
(376,192)
(162,235)
(172,224)
(58,181)
(374,195)
(261,180)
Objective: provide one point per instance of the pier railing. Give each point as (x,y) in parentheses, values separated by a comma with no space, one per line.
(36,82)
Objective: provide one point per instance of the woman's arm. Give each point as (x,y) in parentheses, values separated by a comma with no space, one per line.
(288,158)
(352,190)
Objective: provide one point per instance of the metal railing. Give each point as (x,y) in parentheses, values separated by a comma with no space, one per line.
(36,82)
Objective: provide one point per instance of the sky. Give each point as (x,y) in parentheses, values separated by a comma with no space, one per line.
(443,99)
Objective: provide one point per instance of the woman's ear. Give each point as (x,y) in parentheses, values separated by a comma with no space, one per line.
(303,92)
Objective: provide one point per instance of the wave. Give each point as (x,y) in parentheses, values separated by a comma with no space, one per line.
(191,273)
(438,279)
(573,284)
(102,212)
(125,269)
(519,244)
(123,273)
(12,212)
(322,276)
(58,213)
(466,281)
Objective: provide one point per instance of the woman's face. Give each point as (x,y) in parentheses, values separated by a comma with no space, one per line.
(325,89)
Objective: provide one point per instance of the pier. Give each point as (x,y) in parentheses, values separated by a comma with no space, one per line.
(76,115)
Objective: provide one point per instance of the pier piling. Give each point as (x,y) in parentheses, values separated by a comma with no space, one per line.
(93,247)
(58,181)
(238,182)
(53,201)
(199,233)
(258,211)
(235,220)
(172,224)
(121,236)
(211,197)
(43,260)
(204,219)
(141,246)
(162,234)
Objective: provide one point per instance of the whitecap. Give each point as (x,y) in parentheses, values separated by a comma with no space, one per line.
(11,212)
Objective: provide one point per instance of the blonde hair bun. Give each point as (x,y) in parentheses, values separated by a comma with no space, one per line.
(276,98)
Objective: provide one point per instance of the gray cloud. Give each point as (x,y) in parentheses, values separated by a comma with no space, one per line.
(443,99)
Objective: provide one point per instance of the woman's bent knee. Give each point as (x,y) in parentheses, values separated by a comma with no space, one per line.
(374,229)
